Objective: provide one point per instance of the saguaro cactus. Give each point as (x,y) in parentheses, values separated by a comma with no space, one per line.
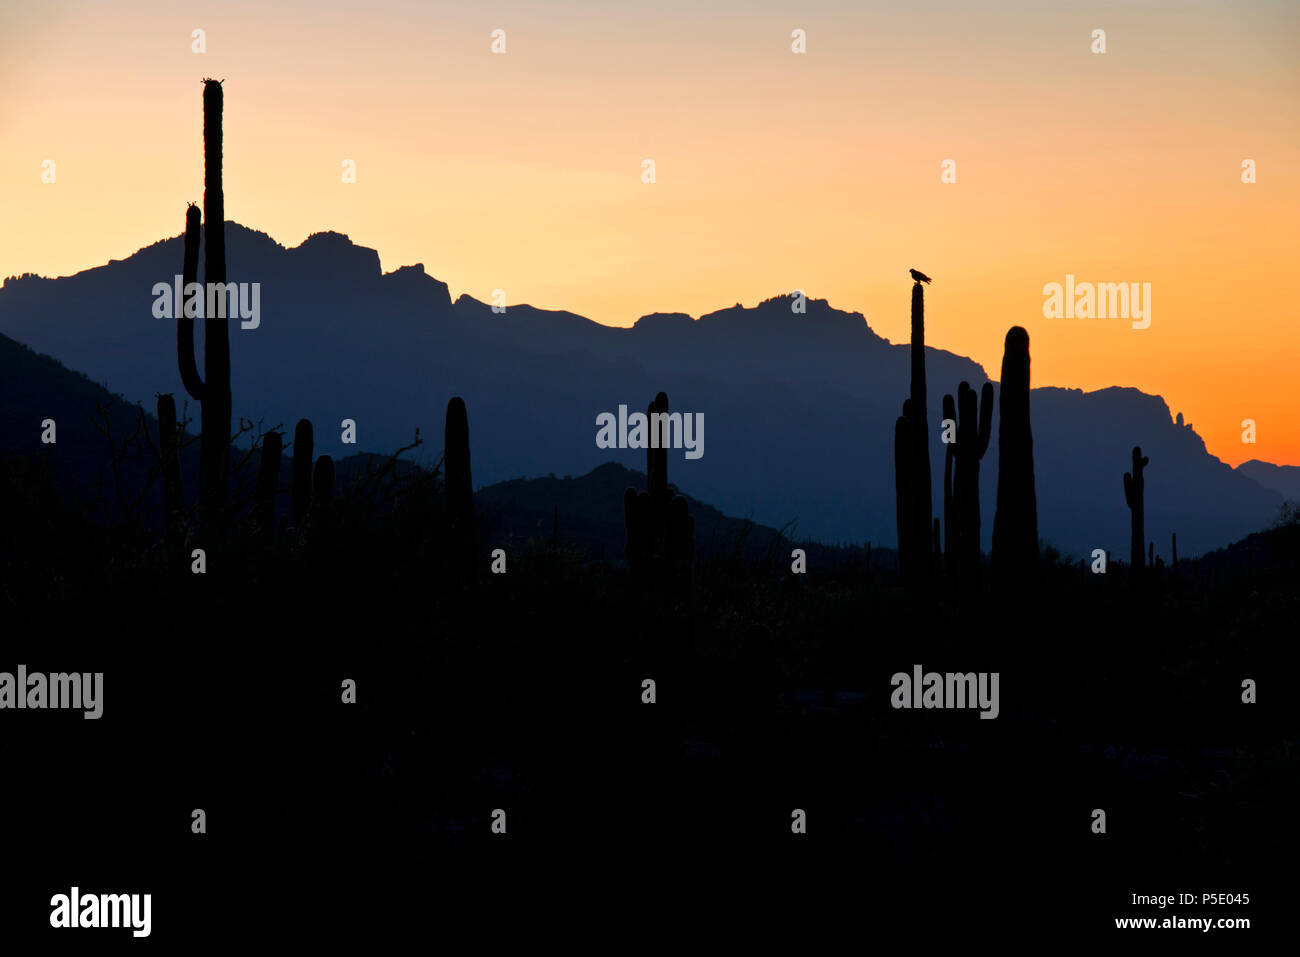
(1015,523)
(660,528)
(212,390)
(974,426)
(300,496)
(459,488)
(920,435)
(1134,487)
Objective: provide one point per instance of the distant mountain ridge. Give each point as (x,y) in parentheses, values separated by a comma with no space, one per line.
(799,408)
(1283,479)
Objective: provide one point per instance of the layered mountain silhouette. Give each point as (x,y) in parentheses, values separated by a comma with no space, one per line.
(798,408)
(585,511)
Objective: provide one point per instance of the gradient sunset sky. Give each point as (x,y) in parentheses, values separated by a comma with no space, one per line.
(775,171)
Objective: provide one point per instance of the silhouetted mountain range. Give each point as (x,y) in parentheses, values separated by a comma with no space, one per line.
(798,408)
(1283,479)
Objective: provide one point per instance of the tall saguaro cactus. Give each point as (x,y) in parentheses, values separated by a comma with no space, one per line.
(1134,487)
(211,390)
(1015,523)
(920,437)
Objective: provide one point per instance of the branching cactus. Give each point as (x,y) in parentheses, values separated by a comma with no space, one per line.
(974,427)
(1134,493)
(459,490)
(300,496)
(1015,523)
(212,390)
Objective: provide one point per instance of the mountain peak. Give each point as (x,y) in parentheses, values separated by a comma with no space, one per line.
(333,254)
(414,279)
(664,319)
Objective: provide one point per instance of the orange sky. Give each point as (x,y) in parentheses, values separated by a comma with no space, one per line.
(775,171)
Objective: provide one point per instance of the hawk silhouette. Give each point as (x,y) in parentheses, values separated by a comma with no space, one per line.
(919,276)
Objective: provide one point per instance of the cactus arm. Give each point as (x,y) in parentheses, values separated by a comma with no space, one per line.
(190,377)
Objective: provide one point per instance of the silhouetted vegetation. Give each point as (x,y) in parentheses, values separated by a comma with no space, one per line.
(660,530)
(211,390)
(524,686)
(966,454)
(1134,484)
(1015,523)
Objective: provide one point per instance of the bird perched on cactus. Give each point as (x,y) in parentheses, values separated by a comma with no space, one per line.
(921,504)
(920,276)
